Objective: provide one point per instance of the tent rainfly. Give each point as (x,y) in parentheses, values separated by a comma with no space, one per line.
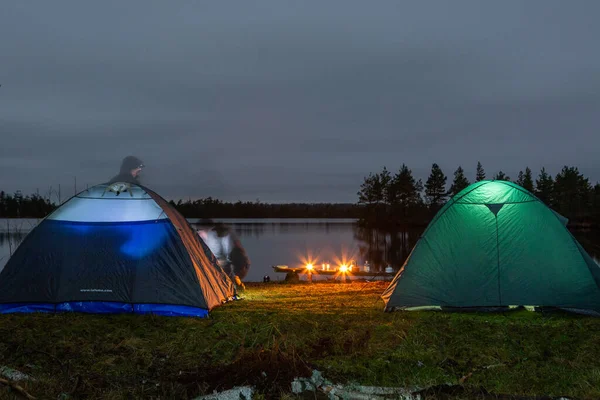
(495,245)
(113,249)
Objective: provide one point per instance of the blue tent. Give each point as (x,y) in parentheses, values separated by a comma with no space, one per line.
(112,249)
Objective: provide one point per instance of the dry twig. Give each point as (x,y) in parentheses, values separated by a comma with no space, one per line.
(18,388)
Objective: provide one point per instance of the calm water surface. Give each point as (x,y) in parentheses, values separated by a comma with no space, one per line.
(293,242)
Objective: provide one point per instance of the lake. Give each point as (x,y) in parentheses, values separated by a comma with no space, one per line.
(293,242)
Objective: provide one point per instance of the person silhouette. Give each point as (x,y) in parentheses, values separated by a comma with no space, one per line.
(131,167)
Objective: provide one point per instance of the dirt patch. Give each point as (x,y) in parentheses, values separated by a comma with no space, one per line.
(323,347)
(269,371)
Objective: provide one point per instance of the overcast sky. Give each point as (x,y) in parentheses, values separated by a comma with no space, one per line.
(293,101)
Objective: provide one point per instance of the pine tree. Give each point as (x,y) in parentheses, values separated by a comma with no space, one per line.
(520,178)
(528,180)
(572,192)
(366,194)
(480,172)
(435,187)
(382,191)
(501,176)
(525,180)
(544,186)
(405,190)
(459,183)
(596,203)
(19,200)
(374,192)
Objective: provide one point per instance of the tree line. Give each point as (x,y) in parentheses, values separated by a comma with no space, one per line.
(215,208)
(401,199)
(36,206)
(383,199)
(19,206)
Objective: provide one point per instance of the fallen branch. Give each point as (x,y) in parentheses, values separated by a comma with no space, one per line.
(18,388)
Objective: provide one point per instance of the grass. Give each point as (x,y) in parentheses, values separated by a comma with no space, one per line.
(280,331)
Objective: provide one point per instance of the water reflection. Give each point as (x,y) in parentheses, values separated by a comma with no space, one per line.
(12,238)
(257,229)
(385,247)
(292,243)
(269,243)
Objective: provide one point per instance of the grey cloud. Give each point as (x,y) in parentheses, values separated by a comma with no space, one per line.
(287,101)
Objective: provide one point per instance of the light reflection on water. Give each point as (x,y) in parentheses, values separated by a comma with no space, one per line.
(267,243)
(275,242)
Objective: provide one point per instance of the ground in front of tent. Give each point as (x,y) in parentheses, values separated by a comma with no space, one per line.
(281,331)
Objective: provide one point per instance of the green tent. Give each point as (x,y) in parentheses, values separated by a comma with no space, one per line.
(495,244)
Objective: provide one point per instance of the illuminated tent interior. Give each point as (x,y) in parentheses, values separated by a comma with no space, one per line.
(495,245)
(111,251)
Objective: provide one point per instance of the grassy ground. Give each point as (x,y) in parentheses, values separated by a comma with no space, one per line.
(280,331)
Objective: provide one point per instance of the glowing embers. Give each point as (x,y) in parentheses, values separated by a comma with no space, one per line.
(129,239)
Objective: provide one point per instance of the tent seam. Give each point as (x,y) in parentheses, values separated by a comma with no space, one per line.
(498,260)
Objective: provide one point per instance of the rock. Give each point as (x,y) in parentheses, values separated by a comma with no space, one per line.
(237,393)
(297,386)
(13,374)
(300,385)
(351,391)
(317,378)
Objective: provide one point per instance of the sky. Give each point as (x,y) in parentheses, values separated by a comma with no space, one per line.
(286,101)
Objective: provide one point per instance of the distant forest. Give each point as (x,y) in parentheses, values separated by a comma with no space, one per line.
(402,200)
(214,208)
(36,206)
(384,199)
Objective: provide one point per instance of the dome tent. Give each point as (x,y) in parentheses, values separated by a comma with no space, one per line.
(110,249)
(492,245)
